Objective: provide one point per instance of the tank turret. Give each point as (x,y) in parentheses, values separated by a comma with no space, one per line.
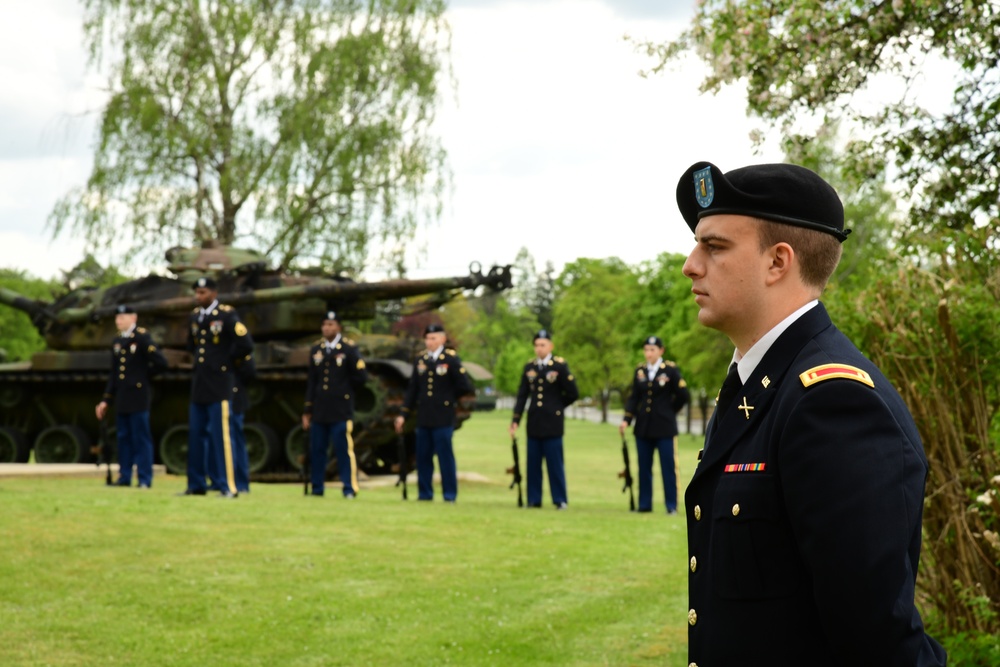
(48,403)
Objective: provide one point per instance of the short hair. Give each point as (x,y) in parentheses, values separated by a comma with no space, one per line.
(818,252)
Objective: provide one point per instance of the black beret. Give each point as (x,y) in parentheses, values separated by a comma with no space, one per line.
(654,340)
(124,309)
(331,315)
(433,328)
(542,333)
(784,193)
(204,282)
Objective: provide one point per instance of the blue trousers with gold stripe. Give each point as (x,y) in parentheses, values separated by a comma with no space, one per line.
(343,449)
(667,451)
(135,446)
(209,436)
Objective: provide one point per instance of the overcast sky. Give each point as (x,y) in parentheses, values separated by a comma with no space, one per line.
(555,142)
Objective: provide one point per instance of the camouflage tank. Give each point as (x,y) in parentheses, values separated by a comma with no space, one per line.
(48,402)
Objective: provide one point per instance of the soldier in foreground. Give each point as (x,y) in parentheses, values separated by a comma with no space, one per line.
(134,361)
(438,380)
(336,372)
(804,513)
(217,340)
(547,389)
(658,393)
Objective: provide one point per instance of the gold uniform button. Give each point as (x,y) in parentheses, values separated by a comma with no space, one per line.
(121,377)
(692,617)
(223,368)
(121,368)
(325,387)
(347,397)
(694,563)
(139,385)
(697,512)
(201,360)
(539,404)
(202,350)
(736,509)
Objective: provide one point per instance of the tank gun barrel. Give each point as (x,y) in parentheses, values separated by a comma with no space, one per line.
(498,278)
(37,310)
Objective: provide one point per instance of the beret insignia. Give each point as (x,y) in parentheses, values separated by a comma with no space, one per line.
(704,187)
(831,371)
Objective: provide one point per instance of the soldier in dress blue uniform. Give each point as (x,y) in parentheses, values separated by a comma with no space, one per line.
(336,373)
(658,394)
(438,381)
(547,389)
(135,359)
(218,340)
(804,513)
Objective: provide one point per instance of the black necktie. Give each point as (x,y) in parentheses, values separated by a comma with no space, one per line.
(730,388)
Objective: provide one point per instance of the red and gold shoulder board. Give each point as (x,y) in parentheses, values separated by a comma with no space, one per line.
(831,371)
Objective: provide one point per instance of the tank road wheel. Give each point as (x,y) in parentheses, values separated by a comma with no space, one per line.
(296,445)
(13,446)
(174,449)
(62,444)
(262,446)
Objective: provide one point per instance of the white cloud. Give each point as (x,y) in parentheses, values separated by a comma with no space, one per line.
(555,141)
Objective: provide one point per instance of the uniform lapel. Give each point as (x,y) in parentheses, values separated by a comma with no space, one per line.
(761,387)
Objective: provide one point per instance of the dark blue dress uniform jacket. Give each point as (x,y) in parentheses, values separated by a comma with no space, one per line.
(134,360)
(216,343)
(804,518)
(435,387)
(334,378)
(654,402)
(245,372)
(547,393)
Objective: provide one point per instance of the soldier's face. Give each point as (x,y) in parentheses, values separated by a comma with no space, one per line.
(728,273)
(330,329)
(652,353)
(543,346)
(204,296)
(434,340)
(124,321)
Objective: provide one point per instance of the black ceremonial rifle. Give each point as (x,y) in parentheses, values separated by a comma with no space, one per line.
(515,470)
(626,474)
(104,450)
(402,464)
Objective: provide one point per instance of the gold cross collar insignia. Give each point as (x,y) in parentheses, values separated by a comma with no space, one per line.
(745,408)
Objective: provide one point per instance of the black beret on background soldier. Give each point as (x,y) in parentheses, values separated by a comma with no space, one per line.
(804,513)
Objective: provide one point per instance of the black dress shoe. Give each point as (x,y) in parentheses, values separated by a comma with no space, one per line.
(122,482)
(192,492)
(226,493)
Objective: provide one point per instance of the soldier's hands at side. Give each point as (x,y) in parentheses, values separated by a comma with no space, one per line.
(101,410)
(622,427)
(512,429)
(306,420)
(400,420)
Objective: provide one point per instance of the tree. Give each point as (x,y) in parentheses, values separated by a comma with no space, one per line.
(297,126)
(589,325)
(931,324)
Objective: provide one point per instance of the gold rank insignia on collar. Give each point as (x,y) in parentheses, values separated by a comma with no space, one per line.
(745,408)
(831,371)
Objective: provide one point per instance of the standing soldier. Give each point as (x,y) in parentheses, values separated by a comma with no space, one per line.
(134,360)
(548,388)
(336,373)
(438,380)
(658,394)
(217,340)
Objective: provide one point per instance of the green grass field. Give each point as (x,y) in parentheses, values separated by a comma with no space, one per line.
(92,575)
